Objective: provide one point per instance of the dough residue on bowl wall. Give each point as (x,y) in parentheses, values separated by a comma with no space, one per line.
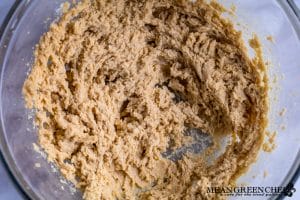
(116,83)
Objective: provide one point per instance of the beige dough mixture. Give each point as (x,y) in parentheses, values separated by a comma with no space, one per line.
(116,83)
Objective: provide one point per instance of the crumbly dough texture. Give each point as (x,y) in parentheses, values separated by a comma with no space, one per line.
(114,81)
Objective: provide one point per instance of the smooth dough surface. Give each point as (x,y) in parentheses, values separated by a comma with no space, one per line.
(115,84)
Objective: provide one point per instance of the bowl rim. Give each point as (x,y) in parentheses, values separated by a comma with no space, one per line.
(18,8)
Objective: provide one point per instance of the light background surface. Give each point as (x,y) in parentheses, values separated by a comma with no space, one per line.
(7,188)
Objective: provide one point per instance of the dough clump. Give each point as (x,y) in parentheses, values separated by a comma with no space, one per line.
(116,83)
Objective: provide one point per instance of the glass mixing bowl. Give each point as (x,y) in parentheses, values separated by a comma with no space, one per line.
(29,19)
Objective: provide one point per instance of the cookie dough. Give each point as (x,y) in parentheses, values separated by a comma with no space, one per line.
(115,83)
